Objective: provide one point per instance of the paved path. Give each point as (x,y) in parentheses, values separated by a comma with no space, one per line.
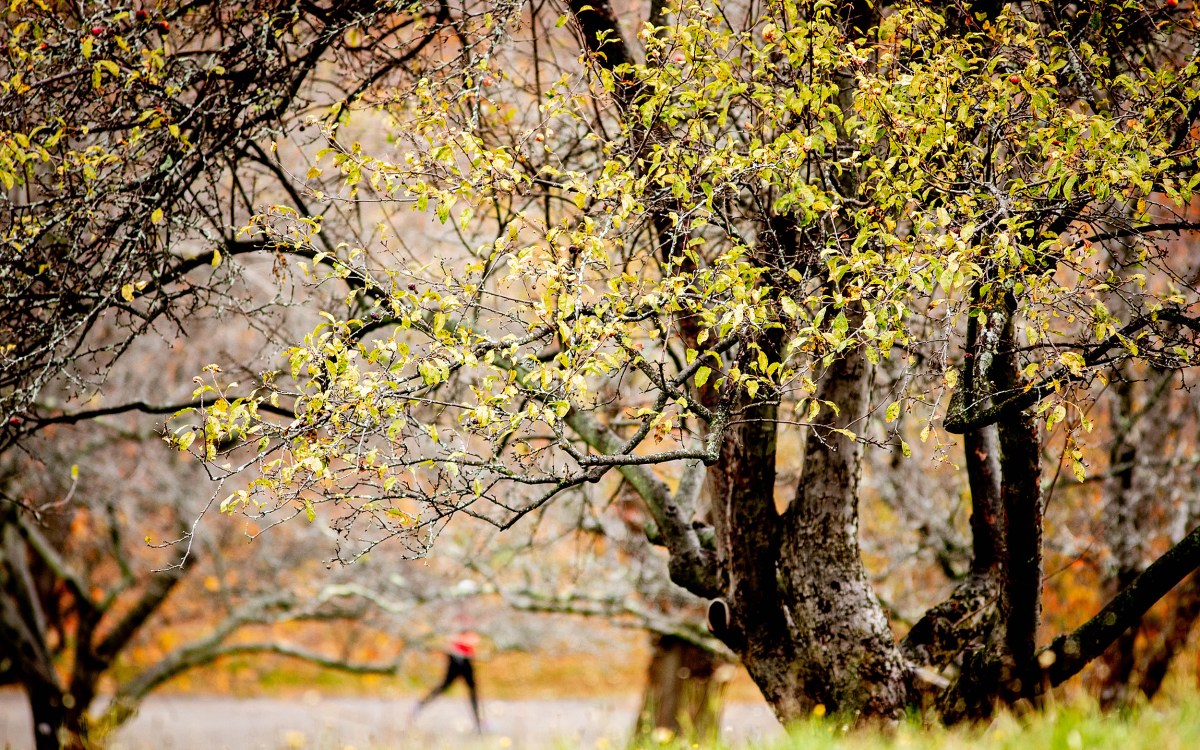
(315,723)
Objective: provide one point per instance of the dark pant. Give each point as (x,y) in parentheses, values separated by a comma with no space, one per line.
(458,666)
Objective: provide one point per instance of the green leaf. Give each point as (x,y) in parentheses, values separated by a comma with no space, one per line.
(840,325)
(186,439)
(893,412)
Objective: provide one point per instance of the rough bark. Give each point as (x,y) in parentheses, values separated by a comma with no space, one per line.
(1021,587)
(847,658)
(746,528)
(965,621)
(1000,665)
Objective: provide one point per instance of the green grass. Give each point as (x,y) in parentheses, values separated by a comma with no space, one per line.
(1077,727)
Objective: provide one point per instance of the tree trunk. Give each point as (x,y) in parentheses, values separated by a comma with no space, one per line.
(847,659)
(51,720)
(1001,664)
(685,687)
(964,622)
(800,611)
(1021,589)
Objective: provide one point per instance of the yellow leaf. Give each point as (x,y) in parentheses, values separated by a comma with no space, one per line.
(216,261)
(1074,362)
(127,292)
(893,412)
(156,216)
(1077,468)
(185,440)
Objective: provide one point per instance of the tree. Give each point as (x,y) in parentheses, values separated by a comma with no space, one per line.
(133,149)
(141,140)
(676,256)
(78,595)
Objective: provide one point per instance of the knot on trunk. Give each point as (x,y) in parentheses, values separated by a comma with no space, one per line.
(723,624)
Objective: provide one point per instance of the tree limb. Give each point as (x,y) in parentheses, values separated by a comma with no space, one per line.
(971,417)
(1071,652)
(691,566)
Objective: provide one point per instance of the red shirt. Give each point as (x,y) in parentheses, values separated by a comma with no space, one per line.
(464,645)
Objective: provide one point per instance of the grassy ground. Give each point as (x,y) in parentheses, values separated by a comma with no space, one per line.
(1075,727)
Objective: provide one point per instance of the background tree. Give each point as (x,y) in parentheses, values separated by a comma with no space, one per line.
(80,591)
(1146,488)
(684,254)
(135,139)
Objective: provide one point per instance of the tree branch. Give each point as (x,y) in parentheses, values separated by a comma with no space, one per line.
(971,417)
(64,572)
(1071,652)
(1175,226)
(156,592)
(311,657)
(142,407)
(691,566)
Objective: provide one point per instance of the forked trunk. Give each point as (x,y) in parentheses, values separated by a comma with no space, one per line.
(801,612)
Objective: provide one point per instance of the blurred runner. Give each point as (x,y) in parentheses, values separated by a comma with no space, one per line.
(462,650)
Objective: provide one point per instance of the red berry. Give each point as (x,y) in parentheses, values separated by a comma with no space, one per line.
(163,26)
(15,421)
(1172,3)
(140,14)
(1014,79)
(97,31)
